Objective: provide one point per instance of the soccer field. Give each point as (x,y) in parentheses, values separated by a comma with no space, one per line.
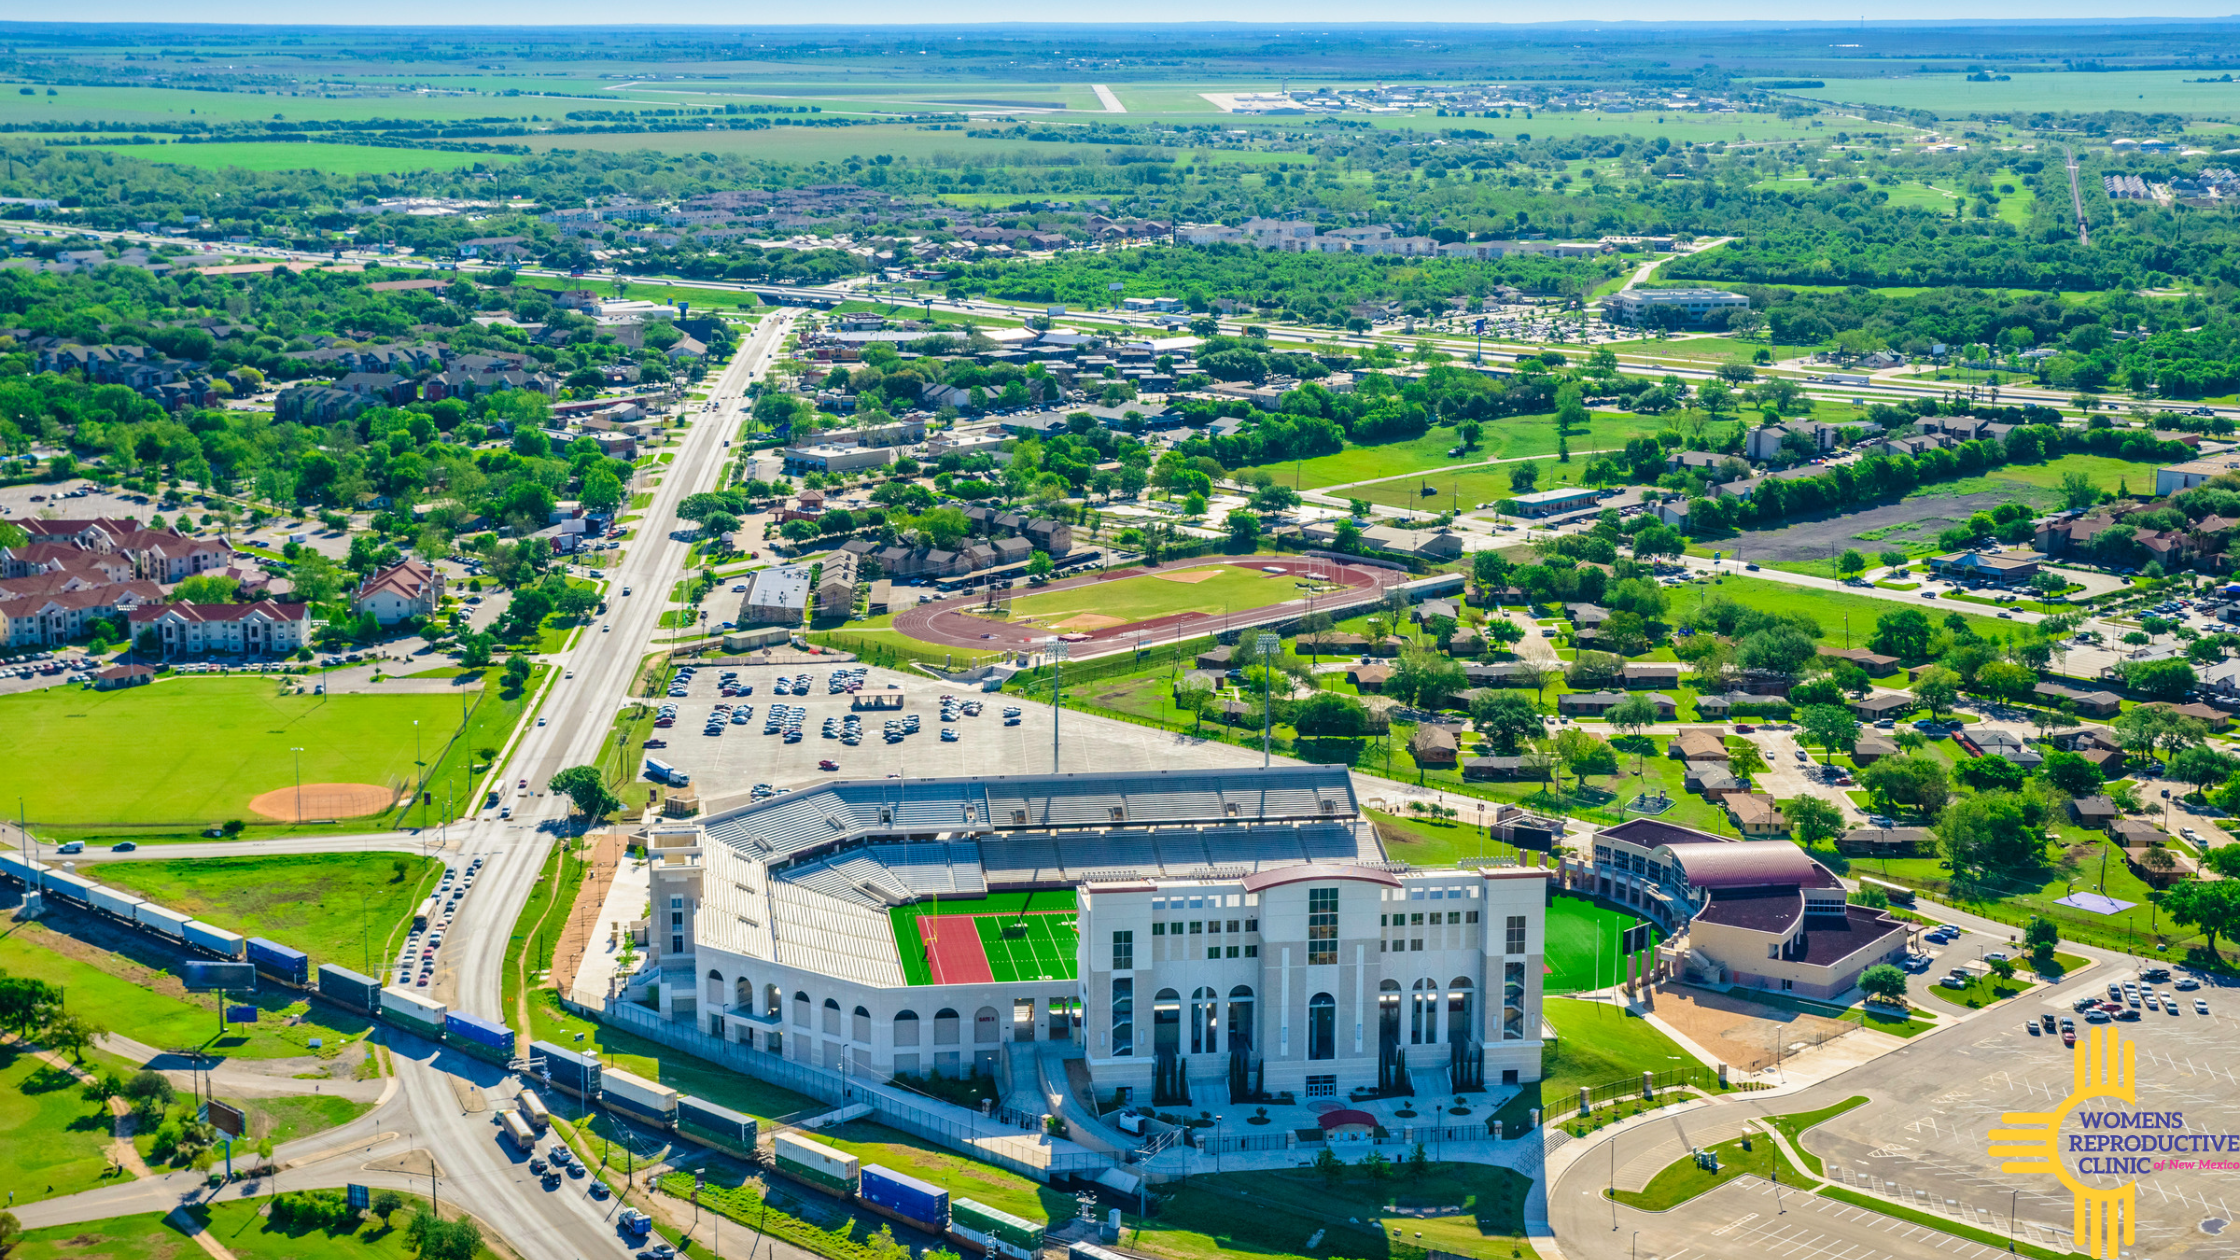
(1008,936)
(1212,590)
(193,751)
(1581,933)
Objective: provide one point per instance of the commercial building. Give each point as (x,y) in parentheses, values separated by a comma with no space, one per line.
(1680,306)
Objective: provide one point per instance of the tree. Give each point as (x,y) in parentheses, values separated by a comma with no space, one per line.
(2005,680)
(602,491)
(2077,491)
(2002,968)
(1917,781)
(206,588)
(1039,565)
(586,788)
(1506,719)
(1938,688)
(1244,528)
(2163,680)
(1327,1163)
(1595,670)
(1991,774)
(70,1034)
(2041,936)
(1523,477)
(1633,714)
(433,1238)
(2212,906)
(1885,982)
(1990,834)
(1329,714)
(2071,773)
(1419,1163)
(1812,820)
(1538,675)
(1851,562)
(475,650)
(1583,754)
(1829,726)
(1744,758)
(1904,633)
(2201,766)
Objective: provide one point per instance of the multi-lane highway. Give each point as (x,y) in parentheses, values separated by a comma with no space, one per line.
(442,1102)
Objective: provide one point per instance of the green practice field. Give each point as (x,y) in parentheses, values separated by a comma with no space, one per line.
(194,751)
(335,159)
(1581,933)
(333,906)
(1168,591)
(788,144)
(1045,949)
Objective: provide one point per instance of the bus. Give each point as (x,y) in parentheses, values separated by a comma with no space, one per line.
(421,916)
(1898,894)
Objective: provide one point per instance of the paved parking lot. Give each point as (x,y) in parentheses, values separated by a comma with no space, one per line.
(1752,1217)
(724,768)
(1926,1137)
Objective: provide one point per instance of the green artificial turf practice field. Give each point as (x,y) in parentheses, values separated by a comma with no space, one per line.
(1576,927)
(1203,589)
(1046,949)
(192,752)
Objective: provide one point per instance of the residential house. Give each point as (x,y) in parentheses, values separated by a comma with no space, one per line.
(1888,842)
(1652,674)
(1874,663)
(1485,769)
(1599,703)
(2096,812)
(1980,742)
(1755,814)
(1876,706)
(1696,744)
(408,589)
(1369,680)
(1871,748)
(120,676)
(2088,703)
(1432,745)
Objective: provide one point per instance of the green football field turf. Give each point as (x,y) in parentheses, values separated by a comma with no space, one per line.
(1574,923)
(1054,936)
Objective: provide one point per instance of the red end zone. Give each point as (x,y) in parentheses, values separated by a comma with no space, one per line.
(953,952)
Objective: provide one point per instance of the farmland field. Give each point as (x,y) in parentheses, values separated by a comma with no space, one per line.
(2146,91)
(786,144)
(335,159)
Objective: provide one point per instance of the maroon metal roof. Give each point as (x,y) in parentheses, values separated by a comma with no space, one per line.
(1259,880)
(1755,864)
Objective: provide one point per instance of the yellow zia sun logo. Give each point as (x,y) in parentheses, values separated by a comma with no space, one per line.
(2104,1218)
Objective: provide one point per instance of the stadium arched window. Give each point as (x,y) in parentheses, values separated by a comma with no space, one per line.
(1322,1027)
(984,1028)
(1240,1018)
(832,1017)
(1423,1013)
(801,1009)
(1388,1013)
(906,1028)
(715,988)
(1205,1022)
(945,1027)
(860,1029)
(742,995)
(773,998)
(1462,1000)
(1166,1022)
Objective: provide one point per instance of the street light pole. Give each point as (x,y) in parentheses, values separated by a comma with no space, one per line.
(1268,645)
(299,783)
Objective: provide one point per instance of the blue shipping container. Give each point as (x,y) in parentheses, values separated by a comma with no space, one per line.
(477,1029)
(919,1202)
(571,1072)
(292,965)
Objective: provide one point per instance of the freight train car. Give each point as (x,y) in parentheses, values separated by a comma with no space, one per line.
(348,989)
(902,1197)
(993,1232)
(279,961)
(816,1165)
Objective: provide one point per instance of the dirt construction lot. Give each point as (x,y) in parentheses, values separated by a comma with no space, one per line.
(1822,539)
(1744,1035)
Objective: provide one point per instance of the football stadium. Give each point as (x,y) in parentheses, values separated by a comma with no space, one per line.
(1159,927)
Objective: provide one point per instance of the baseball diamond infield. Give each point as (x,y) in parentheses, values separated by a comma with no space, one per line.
(317,801)
(951,623)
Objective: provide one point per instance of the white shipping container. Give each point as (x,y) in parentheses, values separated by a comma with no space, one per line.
(816,1155)
(20,867)
(215,939)
(69,885)
(406,1002)
(169,922)
(117,903)
(638,1091)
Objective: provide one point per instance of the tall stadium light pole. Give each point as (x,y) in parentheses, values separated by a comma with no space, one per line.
(299,783)
(1057,661)
(1268,645)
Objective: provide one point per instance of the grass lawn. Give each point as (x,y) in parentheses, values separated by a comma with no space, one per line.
(241,1228)
(332,159)
(1434,841)
(2106,472)
(965,1178)
(2087,861)
(286,1119)
(536,932)
(656,1062)
(1682,1179)
(1475,1210)
(1979,992)
(1828,608)
(1583,933)
(191,752)
(333,906)
(1792,1126)
(1140,598)
(1856,1013)
(1596,1044)
(143,1237)
(60,1135)
(133,997)
(1511,437)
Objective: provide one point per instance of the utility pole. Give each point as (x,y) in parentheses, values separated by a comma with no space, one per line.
(1057,661)
(1268,645)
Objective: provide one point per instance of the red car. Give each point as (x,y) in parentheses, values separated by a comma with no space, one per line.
(828,765)
(1743,729)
